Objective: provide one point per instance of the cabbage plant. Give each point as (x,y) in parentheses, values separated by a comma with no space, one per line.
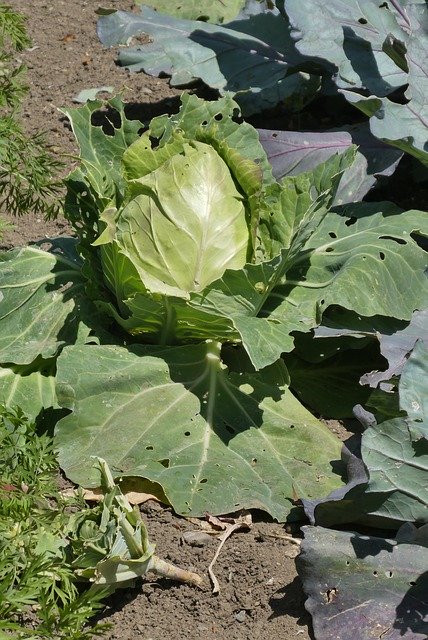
(161,329)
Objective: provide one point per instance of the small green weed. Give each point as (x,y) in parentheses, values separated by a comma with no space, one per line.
(28,170)
(39,597)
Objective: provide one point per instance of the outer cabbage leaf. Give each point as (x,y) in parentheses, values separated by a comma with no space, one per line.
(398,470)
(414,391)
(99,180)
(396,343)
(404,124)
(213,439)
(43,302)
(32,388)
(223,58)
(388,486)
(361,257)
(211,10)
(373,49)
(349,35)
(372,585)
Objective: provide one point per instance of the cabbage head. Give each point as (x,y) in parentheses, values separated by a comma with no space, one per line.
(182,226)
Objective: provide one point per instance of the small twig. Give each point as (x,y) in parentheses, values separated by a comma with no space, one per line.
(224,536)
(284,536)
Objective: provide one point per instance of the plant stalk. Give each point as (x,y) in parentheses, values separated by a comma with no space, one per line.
(167,570)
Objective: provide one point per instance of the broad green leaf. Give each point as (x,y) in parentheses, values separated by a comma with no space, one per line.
(32,388)
(187,225)
(406,125)
(398,470)
(414,391)
(215,11)
(363,258)
(225,59)
(214,440)
(43,303)
(364,586)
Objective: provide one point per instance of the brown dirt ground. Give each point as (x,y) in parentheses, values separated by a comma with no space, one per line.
(261,595)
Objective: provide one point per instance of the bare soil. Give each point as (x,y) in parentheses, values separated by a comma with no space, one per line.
(261,595)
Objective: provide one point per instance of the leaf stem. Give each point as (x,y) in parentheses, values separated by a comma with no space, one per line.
(168,328)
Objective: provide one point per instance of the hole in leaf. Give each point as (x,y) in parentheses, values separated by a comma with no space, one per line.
(154,142)
(204,123)
(347,563)
(388,574)
(292,426)
(322,301)
(381,255)
(329,249)
(218,117)
(375,574)
(362,21)
(412,583)
(203,481)
(397,240)
(254,461)
(187,433)
(149,447)
(332,234)
(164,463)
(351,221)
(274,135)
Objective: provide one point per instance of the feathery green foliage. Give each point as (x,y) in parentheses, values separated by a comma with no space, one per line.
(28,169)
(39,597)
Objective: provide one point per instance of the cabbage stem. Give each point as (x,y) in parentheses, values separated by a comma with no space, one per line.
(167,334)
(167,570)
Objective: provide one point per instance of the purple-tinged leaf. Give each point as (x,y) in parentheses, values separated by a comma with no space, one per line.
(364,587)
(293,152)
